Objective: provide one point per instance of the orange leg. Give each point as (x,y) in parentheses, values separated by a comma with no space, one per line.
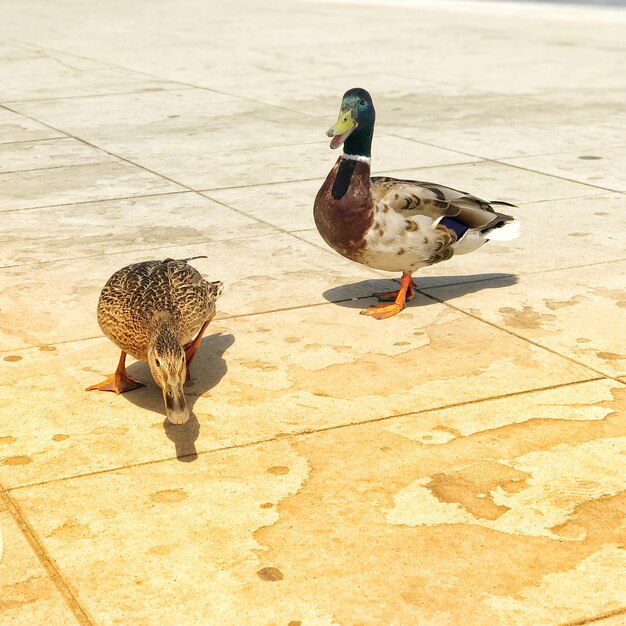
(120,381)
(383,311)
(390,296)
(192,348)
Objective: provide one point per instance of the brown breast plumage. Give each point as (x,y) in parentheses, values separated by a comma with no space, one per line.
(343,207)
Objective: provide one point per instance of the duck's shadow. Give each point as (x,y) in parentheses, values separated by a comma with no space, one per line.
(207,369)
(356,295)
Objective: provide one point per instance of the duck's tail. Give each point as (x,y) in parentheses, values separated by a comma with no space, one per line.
(505,232)
(191,258)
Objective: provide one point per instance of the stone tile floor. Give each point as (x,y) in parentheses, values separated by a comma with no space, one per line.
(462,463)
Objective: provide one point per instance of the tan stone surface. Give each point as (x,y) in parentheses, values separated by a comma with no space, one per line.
(30,73)
(497,127)
(17,128)
(27,594)
(115,226)
(496,181)
(256,378)
(591,234)
(35,155)
(577,312)
(462,463)
(264,533)
(58,294)
(291,147)
(79,183)
(603,169)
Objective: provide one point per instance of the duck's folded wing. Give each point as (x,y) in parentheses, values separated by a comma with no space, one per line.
(412,197)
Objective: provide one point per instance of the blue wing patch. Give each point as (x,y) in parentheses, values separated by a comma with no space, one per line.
(459,228)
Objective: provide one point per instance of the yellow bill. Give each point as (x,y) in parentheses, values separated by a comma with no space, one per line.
(341,130)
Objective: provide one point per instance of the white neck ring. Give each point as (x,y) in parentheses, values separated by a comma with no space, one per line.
(356,157)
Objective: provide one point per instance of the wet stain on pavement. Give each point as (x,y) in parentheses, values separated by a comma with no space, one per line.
(278,470)
(17,460)
(525,318)
(72,530)
(271,574)
(169,495)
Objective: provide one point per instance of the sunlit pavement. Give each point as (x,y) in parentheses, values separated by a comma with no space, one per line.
(463,463)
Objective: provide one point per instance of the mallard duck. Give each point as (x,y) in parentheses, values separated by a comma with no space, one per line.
(391,224)
(157,311)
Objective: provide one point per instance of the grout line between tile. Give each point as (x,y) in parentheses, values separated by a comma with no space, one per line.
(219,317)
(292,235)
(44,140)
(596,618)
(570,267)
(121,252)
(44,345)
(306,180)
(312,432)
(595,196)
(526,339)
(513,165)
(81,202)
(569,180)
(153,76)
(175,87)
(54,167)
(244,213)
(48,564)
(101,149)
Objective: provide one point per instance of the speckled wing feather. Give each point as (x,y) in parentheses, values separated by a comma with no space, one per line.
(118,316)
(136,293)
(191,295)
(436,201)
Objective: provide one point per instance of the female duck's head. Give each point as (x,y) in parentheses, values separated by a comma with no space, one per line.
(355,126)
(168,365)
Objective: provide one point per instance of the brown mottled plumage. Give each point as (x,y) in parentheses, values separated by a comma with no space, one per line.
(392,224)
(140,299)
(157,311)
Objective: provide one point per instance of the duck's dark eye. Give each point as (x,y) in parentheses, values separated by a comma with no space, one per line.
(362,103)
(158,363)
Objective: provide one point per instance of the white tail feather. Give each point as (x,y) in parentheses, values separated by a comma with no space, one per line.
(505,233)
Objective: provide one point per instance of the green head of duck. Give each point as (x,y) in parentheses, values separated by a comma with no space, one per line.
(168,365)
(355,126)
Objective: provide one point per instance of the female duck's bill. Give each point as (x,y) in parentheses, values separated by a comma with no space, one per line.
(176,409)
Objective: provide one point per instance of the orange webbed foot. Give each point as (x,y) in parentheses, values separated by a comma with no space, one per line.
(400,297)
(391,296)
(383,311)
(119,383)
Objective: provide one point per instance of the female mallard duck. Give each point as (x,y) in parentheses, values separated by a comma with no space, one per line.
(390,224)
(157,311)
